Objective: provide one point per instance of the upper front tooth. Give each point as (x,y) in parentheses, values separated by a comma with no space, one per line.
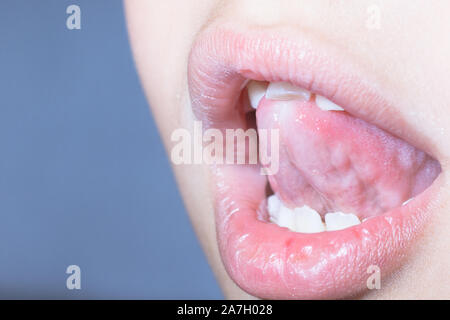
(307,220)
(256,91)
(325,104)
(340,220)
(286,91)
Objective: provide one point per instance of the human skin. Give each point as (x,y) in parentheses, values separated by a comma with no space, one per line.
(406,55)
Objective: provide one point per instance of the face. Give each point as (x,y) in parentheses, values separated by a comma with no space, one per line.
(349,103)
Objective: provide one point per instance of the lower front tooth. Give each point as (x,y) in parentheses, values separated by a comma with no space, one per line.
(307,220)
(284,218)
(339,220)
(286,91)
(325,104)
(273,204)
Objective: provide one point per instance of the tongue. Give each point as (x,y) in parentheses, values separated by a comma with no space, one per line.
(332,161)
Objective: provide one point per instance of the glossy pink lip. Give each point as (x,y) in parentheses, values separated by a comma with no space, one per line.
(262,258)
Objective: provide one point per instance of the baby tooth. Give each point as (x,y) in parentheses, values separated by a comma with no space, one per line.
(256,91)
(307,220)
(325,104)
(340,220)
(273,204)
(286,91)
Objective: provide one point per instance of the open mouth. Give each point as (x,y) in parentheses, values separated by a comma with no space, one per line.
(353,181)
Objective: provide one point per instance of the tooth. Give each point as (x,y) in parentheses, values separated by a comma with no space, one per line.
(278,213)
(284,218)
(307,220)
(286,91)
(339,220)
(256,91)
(273,204)
(325,104)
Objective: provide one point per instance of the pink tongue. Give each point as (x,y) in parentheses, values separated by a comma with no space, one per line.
(332,161)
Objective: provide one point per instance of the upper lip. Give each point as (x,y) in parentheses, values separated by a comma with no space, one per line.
(225,55)
(222,58)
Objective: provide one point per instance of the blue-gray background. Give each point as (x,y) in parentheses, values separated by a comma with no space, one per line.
(84,178)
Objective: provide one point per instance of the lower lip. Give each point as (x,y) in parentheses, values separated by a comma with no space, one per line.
(274,263)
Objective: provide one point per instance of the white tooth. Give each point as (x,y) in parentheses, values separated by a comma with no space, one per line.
(406,202)
(325,104)
(307,220)
(273,204)
(286,91)
(340,220)
(284,218)
(256,91)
